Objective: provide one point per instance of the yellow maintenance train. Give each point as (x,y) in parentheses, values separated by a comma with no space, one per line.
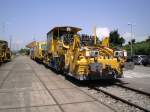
(5,53)
(80,56)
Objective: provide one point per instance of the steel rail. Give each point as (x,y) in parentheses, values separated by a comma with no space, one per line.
(133,89)
(120,99)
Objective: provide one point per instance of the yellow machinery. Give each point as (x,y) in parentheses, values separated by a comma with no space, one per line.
(5,53)
(82,57)
(93,62)
(37,50)
(59,39)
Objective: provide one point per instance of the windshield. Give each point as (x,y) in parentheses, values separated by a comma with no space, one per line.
(86,40)
(67,38)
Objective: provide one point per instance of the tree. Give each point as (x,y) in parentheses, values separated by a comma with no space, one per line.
(115,39)
(24,51)
(129,43)
(133,41)
(121,41)
(140,48)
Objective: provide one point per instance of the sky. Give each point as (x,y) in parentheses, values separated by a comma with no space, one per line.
(26,20)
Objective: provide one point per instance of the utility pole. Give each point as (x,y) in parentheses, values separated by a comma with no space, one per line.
(131,26)
(10,39)
(94,30)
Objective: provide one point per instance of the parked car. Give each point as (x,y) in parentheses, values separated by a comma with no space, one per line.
(137,59)
(146,61)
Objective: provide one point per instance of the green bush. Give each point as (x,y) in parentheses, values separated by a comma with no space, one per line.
(139,48)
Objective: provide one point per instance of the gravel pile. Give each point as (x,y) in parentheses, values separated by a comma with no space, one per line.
(107,100)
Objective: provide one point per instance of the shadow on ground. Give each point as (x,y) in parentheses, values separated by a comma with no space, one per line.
(89,83)
(95,83)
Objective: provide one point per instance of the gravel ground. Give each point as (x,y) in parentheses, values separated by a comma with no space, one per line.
(134,97)
(115,104)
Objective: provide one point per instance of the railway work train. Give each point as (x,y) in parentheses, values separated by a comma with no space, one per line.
(5,53)
(81,56)
(37,50)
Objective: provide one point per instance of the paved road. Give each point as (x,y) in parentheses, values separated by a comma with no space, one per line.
(138,78)
(26,86)
(139,71)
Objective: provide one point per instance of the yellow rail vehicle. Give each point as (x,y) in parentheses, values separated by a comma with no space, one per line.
(39,50)
(79,56)
(92,62)
(5,53)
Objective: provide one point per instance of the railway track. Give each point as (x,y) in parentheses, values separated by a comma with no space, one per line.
(129,96)
(133,89)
